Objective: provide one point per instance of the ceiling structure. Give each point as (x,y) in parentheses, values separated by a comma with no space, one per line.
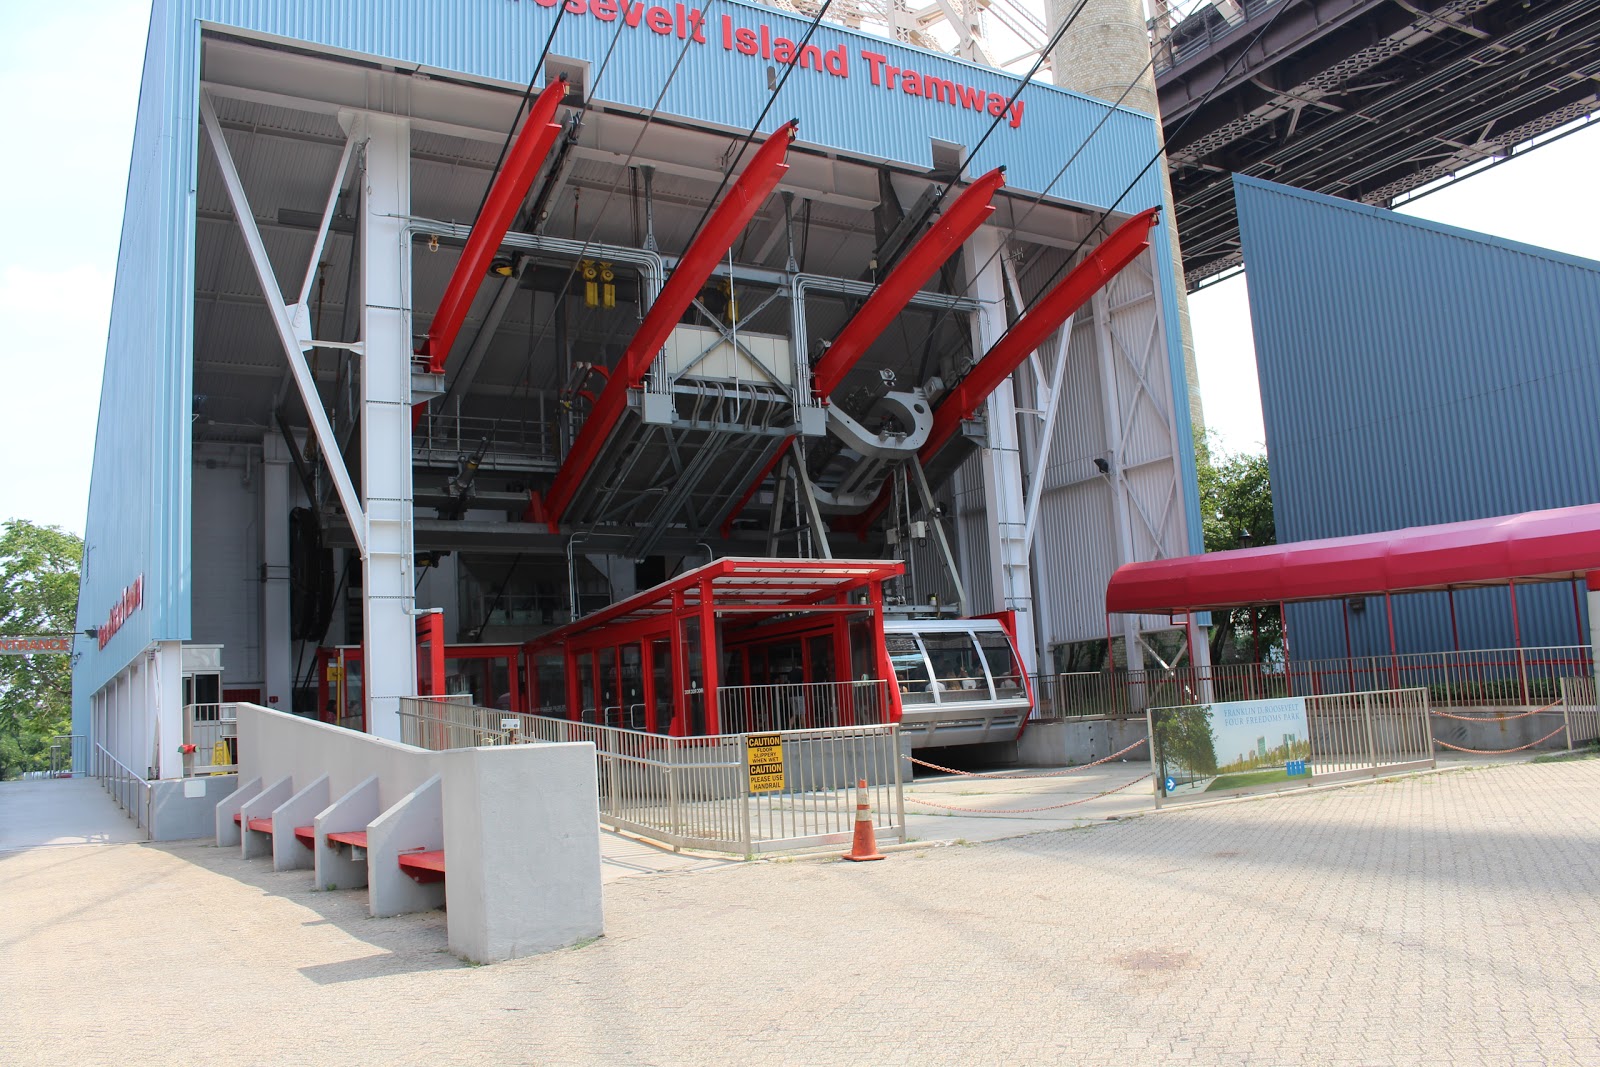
(518,409)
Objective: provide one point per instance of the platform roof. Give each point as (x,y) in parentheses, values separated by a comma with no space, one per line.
(1536,546)
(775,585)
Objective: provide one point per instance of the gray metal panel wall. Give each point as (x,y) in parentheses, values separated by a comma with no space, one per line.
(1414,373)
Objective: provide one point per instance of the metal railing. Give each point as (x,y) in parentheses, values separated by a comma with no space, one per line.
(512,442)
(1367,733)
(1495,677)
(213,730)
(1581,716)
(802,705)
(1347,735)
(68,752)
(129,790)
(696,792)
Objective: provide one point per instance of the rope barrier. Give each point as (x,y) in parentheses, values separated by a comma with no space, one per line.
(1024,777)
(1027,811)
(1497,718)
(1499,751)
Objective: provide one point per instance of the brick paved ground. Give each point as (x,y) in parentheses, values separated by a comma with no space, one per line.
(1435,920)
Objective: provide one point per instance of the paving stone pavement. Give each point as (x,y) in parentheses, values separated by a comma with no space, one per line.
(1443,919)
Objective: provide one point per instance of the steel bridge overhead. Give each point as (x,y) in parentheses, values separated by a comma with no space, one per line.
(1364,99)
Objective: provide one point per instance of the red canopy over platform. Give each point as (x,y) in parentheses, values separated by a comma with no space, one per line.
(739,584)
(1536,546)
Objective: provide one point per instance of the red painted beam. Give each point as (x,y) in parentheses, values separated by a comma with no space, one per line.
(694,267)
(1025,335)
(889,299)
(1037,323)
(510,188)
(955,225)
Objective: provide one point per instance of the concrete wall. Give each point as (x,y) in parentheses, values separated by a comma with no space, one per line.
(521,835)
(183,809)
(1072,742)
(1490,735)
(273,745)
(519,826)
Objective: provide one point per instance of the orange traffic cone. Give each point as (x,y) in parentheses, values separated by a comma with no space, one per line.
(864,846)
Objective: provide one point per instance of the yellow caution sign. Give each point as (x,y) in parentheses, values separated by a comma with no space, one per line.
(220,756)
(765,752)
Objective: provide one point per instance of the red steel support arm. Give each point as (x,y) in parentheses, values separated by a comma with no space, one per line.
(694,267)
(499,210)
(890,298)
(1024,336)
(1036,324)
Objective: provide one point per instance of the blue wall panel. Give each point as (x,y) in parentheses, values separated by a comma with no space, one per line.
(1415,373)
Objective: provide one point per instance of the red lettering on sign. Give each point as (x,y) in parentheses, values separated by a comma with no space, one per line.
(688,23)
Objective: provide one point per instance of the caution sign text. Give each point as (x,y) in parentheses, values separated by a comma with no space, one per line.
(766,762)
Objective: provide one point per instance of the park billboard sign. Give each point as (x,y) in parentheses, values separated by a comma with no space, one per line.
(1228,747)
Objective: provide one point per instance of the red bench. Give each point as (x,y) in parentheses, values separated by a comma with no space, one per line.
(263,826)
(353,838)
(423,867)
(306,835)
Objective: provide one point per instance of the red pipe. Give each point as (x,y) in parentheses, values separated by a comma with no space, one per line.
(695,266)
(1036,324)
(909,275)
(499,209)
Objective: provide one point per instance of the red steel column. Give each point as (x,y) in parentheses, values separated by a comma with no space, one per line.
(710,658)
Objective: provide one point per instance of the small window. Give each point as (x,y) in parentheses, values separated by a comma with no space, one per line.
(910,669)
(1003,666)
(957,667)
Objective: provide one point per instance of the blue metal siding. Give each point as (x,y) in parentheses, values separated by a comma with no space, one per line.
(1415,373)
(500,39)
(137,524)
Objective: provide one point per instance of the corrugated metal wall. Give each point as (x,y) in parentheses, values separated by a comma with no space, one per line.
(1415,373)
(137,523)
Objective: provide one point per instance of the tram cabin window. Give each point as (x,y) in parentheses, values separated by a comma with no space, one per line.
(1003,665)
(910,669)
(957,666)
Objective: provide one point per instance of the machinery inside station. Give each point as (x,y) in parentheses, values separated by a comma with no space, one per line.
(640,347)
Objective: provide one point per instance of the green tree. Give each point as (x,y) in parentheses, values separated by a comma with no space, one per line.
(38,595)
(1184,739)
(1236,512)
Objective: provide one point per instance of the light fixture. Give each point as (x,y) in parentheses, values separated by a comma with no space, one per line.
(1101,465)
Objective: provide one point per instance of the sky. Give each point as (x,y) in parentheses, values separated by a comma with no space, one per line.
(58,249)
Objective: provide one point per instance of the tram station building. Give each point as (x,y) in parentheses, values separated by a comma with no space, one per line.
(442,326)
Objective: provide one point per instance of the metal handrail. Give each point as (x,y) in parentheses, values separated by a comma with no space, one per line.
(123,784)
(65,750)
